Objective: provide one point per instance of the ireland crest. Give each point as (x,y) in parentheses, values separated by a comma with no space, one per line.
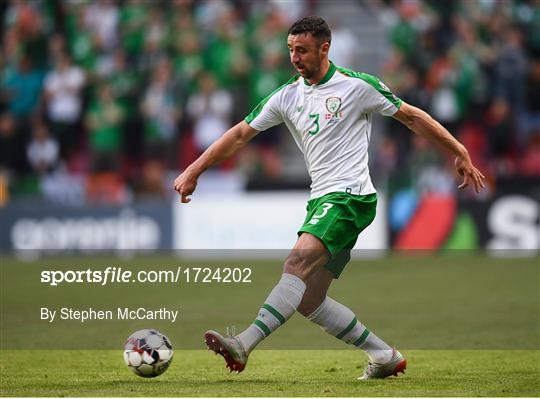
(333,104)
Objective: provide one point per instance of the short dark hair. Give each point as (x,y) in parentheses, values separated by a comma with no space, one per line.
(314,25)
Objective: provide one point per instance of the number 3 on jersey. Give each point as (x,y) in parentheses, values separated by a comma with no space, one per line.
(325,207)
(316,128)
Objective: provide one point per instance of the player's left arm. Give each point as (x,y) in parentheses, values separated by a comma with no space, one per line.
(423,124)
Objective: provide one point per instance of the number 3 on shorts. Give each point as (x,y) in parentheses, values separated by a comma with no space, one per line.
(315,219)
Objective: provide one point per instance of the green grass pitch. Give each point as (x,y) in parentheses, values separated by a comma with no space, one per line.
(272,373)
(469,325)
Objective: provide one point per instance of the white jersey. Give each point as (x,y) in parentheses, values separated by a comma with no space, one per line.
(331,124)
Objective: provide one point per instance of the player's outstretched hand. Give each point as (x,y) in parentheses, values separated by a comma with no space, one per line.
(185,185)
(469,172)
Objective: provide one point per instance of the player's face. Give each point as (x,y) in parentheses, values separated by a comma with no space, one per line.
(307,54)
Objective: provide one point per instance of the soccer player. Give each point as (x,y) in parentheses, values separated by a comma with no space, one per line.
(328,110)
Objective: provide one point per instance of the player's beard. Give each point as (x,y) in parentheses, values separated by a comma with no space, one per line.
(306,72)
(309,71)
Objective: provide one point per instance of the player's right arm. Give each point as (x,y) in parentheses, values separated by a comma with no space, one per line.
(226,146)
(264,116)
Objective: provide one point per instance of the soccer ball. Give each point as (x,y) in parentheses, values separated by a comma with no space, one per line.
(148,353)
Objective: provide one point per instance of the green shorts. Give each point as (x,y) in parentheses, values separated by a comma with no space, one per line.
(337,219)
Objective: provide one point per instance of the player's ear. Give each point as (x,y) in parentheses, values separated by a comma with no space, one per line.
(325,48)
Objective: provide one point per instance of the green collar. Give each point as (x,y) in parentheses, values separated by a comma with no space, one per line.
(326,77)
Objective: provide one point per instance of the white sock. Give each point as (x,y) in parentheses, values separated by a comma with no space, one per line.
(338,320)
(276,310)
(250,338)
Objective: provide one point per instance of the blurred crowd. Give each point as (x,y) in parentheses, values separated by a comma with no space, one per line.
(105,101)
(475,67)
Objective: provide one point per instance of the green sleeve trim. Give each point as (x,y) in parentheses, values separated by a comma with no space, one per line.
(375,82)
(258,109)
